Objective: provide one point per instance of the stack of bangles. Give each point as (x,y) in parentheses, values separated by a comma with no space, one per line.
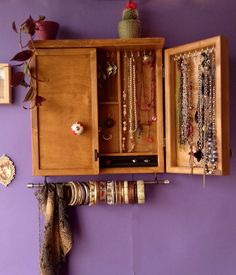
(105,192)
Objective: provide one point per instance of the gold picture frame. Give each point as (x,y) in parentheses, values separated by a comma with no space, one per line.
(5,84)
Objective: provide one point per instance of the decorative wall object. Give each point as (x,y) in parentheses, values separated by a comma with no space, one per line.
(5,89)
(7,170)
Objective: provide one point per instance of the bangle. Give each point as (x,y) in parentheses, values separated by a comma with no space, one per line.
(86,189)
(81,193)
(73,197)
(118,185)
(92,193)
(126,192)
(135,193)
(140,191)
(110,192)
(115,192)
(131,191)
(102,192)
(122,192)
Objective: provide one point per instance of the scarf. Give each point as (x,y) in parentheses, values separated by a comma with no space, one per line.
(57,239)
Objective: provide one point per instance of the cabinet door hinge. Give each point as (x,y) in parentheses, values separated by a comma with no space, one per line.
(96,155)
(164,142)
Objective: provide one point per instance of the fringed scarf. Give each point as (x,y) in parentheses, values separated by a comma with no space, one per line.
(57,239)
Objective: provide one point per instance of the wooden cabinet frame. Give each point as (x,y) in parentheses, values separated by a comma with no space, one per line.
(175,163)
(53,54)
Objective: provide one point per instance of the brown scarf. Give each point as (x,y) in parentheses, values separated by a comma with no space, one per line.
(57,239)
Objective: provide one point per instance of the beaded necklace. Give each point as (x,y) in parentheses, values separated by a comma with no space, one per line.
(132,97)
(205,142)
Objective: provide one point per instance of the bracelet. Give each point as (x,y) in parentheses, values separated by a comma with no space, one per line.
(86,189)
(102,192)
(140,191)
(131,191)
(110,192)
(92,193)
(126,192)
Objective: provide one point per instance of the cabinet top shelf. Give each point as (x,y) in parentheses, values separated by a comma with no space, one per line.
(152,43)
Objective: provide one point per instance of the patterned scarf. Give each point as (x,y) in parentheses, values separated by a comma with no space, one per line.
(57,239)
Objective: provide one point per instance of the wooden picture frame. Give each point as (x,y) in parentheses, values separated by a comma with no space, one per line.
(5,84)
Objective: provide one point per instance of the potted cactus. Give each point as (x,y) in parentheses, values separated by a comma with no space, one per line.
(129,26)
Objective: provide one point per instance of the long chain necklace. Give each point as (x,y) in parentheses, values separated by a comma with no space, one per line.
(205,138)
(132,95)
(211,137)
(185,102)
(206,112)
(124,105)
(147,98)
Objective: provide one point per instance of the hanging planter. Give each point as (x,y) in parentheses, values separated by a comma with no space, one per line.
(46,30)
(129,26)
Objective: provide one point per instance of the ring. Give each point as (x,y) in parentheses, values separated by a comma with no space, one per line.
(107,137)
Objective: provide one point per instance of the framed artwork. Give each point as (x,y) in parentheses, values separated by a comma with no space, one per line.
(5,84)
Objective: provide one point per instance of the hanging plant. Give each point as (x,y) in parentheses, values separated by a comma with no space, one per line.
(23,74)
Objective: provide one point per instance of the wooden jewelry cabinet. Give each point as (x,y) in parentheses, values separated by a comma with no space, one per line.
(114,88)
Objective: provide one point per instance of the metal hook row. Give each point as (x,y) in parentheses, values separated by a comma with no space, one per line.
(194,53)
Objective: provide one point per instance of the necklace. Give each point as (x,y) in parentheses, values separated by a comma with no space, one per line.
(206,113)
(201,138)
(132,97)
(147,97)
(124,105)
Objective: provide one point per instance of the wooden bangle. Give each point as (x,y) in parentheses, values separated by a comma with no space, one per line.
(118,192)
(102,192)
(131,192)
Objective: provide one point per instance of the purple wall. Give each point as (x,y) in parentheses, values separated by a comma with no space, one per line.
(182,229)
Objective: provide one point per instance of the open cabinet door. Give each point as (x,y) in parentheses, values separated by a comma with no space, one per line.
(197,108)
(67,79)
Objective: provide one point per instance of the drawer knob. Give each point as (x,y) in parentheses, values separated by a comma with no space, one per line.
(77,128)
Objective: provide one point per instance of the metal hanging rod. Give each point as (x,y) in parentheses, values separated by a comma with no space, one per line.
(156,181)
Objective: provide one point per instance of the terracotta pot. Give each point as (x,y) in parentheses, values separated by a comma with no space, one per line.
(47,30)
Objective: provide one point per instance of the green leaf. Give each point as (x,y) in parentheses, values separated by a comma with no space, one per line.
(23,56)
(17,78)
(29,95)
(14,27)
(28,26)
